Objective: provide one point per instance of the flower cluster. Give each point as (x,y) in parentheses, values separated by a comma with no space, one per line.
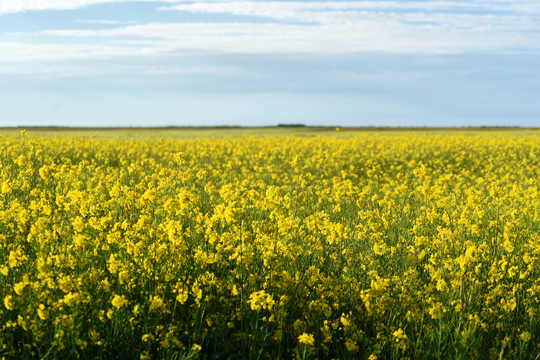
(333,245)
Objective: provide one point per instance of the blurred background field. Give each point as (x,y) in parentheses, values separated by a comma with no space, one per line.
(186,132)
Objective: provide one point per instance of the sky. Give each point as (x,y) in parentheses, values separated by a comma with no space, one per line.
(260,63)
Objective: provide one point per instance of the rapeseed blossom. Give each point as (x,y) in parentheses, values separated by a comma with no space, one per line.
(306,339)
(349,245)
(260,300)
(119,301)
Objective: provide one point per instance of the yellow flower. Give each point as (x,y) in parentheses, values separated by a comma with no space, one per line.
(156,303)
(525,336)
(110,313)
(182,296)
(380,249)
(19,287)
(351,345)
(5,187)
(118,301)
(401,339)
(508,246)
(4,270)
(261,300)
(78,224)
(399,334)
(147,337)
(345,321)
(8,302)
(442,286)
(80,240)
(22,160)
(42,313)
(306,339)
(509,305)
(436,310)
(44,172)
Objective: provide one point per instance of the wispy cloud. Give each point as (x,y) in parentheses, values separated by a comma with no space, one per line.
(456,14)
(301,27)
(16,6)
(291,9)
(368,33)
(105,22)
(10,6)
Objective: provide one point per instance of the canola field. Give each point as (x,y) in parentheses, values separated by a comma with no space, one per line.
(268,245)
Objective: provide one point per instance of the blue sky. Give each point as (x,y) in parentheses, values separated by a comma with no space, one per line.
(254,63)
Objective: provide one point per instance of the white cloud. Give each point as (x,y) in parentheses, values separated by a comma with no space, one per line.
(15,6)
(312,27)
(332,12)
(254,7)
(294,9)
(372,32)
(105,22)
(11,6)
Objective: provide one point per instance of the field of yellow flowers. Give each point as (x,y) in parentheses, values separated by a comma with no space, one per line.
(322,245)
